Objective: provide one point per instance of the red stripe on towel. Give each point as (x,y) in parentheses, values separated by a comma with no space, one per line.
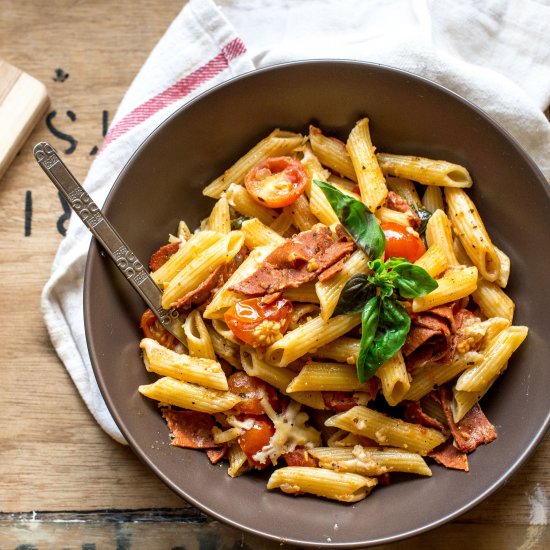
(176,91)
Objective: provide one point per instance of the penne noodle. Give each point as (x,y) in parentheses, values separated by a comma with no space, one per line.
(189,396)
(469,228)
(278,143)
(196,271)
(386,430)
(404,188)
(304,293)
(198,243)
(329,291)
(495,357)
(492,300)
(370,461)
(198,339)
(315,376)
(300,214)
(332,152)
(432,199)
(239,198)
(433,375)
(438,231)
(455,284)
(321,482)
(309,336)
(281,225)
(161,360)
(424,170)
(386,215)
(220,218)
(342,350)
(504,273)
(394,379)
(434,260)
(372,184)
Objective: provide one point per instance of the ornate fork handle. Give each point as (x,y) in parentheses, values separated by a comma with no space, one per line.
(105,233)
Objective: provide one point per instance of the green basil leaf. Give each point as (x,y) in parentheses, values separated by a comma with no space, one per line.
(424,216)
(355,294)
(369,324)
(393,326)
(357,219)
(413,281)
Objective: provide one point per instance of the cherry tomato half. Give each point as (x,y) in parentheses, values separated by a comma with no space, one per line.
(152,328)
(401,242)
(251,390)
(256,438)
(276,182)
(259,324)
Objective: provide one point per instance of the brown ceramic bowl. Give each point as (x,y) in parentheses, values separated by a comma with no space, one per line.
(162,184)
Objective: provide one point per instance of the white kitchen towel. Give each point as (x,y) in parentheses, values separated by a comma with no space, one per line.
(496,53)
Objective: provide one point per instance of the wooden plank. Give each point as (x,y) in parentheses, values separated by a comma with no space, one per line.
(23,101)
(171,533)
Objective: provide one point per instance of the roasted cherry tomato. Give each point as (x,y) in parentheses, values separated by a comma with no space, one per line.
(402,242)
(251,390)
(152,328)
(276,182)
(259,324)
(256,438)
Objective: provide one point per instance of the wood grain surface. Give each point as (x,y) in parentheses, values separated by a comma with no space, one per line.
(63,482)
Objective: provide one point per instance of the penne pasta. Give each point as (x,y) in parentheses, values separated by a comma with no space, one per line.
(469,228)
(372,184)
(194,273)
(278,143)
(404,188)
(329,291)
(300,214)
(386,430)
(370,461)
(394,379)
(315,376)
(309,336)
(455,284)
(239,198)
(321,482)
(342,350)
(204,371)
(434,260)
(332,152)
(189,396)
(198,339)
(220,218)
(492,300)
(424,170)
(432,199)
(478,377)
(438,231)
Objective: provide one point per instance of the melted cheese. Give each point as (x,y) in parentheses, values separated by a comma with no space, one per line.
(290,432)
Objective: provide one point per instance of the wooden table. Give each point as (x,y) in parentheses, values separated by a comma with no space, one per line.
(63,482)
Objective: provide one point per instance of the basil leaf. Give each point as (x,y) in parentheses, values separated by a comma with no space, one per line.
(357,219)
(369,324)
(355,294)
(424,216)
(413,281)
(393,327)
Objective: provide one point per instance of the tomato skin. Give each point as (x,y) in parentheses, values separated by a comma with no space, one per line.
(244,316)
(276,182)
(251,390)
(152,328)
(300,457)
(256,438)
(401,243)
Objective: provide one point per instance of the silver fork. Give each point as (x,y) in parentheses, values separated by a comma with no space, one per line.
(107,236)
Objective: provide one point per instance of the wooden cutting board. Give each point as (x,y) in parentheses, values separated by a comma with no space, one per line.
(23,101)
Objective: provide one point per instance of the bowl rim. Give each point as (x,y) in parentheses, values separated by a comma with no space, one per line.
(93,257)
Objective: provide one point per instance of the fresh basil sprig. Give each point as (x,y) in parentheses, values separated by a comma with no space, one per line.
(385,323)
(358,220)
